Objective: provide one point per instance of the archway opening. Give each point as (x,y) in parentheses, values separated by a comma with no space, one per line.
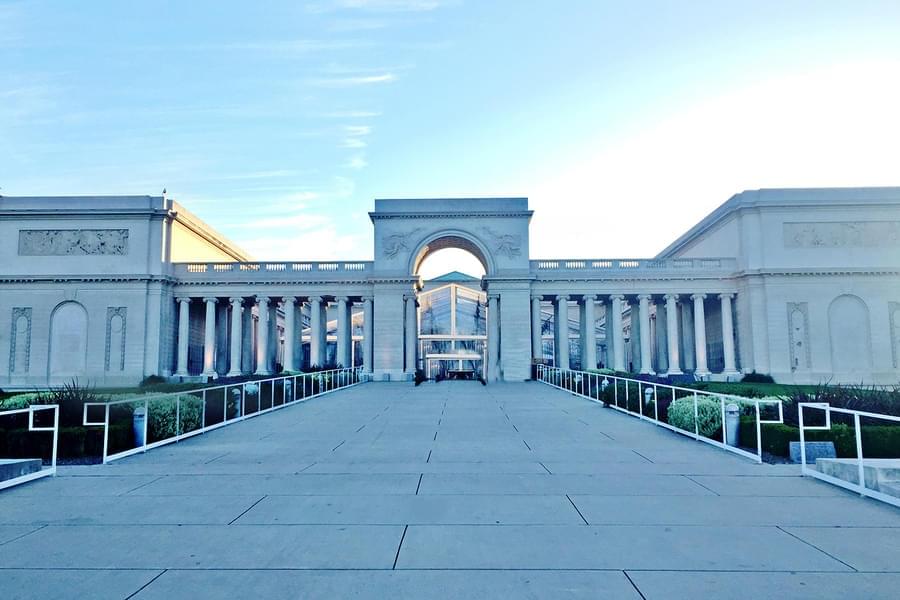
(452,314)
(448,253)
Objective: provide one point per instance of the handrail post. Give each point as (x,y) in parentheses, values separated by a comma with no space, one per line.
(655,404)
(177,417)
(55,438)
(802,434)
(724,429)
(696,417)
(203,411)
(859,453)
(106,434)
(146,422)
(759,433)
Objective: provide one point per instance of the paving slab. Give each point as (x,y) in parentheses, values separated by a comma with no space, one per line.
(735,485)
(610,547)
(302,483)
(97,584)
(690,585)
(397,585)
(863,548)
(517,483)
(403,510)
(205,547)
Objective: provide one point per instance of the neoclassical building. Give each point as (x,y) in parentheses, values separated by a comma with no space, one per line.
(803,284)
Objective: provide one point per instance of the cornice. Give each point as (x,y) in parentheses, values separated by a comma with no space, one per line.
(378,216)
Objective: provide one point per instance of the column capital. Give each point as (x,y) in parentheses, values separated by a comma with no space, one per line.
(537,297)
(313,299)
(696,297)
(289,299)
(263,300)
(725,295)
(562,298)
(236,300)
(368,298)
(618,297)
(647,297)
(184,299)
(671,297)
(210,299)
(589,298)
(341,299)
(493,297)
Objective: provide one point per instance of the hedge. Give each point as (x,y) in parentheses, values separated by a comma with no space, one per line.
(74,442)
(709,416)
(879,441)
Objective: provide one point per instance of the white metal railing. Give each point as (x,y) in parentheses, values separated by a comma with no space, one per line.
(595,385)
(245,269)
(630,264)
(293,389)
(44,472)
(860,486)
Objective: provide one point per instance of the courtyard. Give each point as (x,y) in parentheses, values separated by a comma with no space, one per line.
(450,490)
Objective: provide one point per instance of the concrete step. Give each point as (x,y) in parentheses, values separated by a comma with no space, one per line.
(16,467)
(882,474)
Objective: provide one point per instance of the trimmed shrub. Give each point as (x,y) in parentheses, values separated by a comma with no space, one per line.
(162,418)
(709,416)
(755,377)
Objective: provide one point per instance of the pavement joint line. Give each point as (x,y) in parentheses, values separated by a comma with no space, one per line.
(309,466)
(145,484)
(338,446)
(361,428)
(642,456)
(426,569)
(216,458)
(143,587)
(572,502)
(545,468)
(399,546)
(247,510)
(634,585)
(428,460)
(811,545)
(434,439)
(527,446)
(418,485)
(689,478)
(36,529)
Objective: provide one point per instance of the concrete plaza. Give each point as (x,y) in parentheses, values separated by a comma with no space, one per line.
(445,490)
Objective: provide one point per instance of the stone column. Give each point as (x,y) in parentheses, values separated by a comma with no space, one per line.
(237,321)
(262,336)
(728,335)
(316,348)
(561,331)
(493,373)
(537,346)
(368,332)
(343,332)
(289,305)
(209,339)
(184,333)
(588,333)
(614,327)
(701,369)
(672,333)
(412,334)
(644,316)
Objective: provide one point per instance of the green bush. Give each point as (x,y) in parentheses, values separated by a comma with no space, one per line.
(878,441)
(162,418)
(20,401)
(755,377)
(709,416)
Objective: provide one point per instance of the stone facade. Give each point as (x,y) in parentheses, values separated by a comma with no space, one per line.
(801,284)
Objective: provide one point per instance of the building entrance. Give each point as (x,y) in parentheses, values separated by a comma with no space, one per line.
(453,328)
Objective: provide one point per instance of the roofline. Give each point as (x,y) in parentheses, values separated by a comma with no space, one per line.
(785,198)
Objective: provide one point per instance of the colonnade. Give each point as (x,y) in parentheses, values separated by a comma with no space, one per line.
(267,311)
(617,304)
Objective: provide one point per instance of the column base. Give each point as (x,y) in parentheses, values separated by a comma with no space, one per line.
(647,372)
(233,374)
(677,372)
(181,374)
(731,374)
(702,373)
(263,373)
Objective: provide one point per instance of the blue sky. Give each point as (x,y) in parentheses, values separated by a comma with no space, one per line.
(278,122)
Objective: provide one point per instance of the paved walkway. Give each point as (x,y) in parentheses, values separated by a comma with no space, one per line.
(446,490)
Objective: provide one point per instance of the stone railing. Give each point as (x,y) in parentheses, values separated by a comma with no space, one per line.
(251,270)
(624,266)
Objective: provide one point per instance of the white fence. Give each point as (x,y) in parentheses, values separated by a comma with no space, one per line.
(197,411)
(46,471)
(860,485)
(646,397)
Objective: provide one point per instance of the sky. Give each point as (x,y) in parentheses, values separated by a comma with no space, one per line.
(279,122)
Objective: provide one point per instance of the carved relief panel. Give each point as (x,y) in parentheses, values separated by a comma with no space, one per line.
(72,242)
(20,341)
(855,234)
(798,335)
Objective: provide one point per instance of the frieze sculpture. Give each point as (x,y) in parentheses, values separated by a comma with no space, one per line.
(396,243)
(72,242)
(504,244)
(849,234)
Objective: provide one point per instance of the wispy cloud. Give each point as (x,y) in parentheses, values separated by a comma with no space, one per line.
(357,162)
(353,143)
(351,114)
(296,47)
(357,130)
(359,80)
(386,6)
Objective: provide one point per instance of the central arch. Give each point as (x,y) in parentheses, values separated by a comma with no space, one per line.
(443,240)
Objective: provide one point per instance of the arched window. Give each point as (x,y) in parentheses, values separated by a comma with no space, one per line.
(68,340)
(848,325)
